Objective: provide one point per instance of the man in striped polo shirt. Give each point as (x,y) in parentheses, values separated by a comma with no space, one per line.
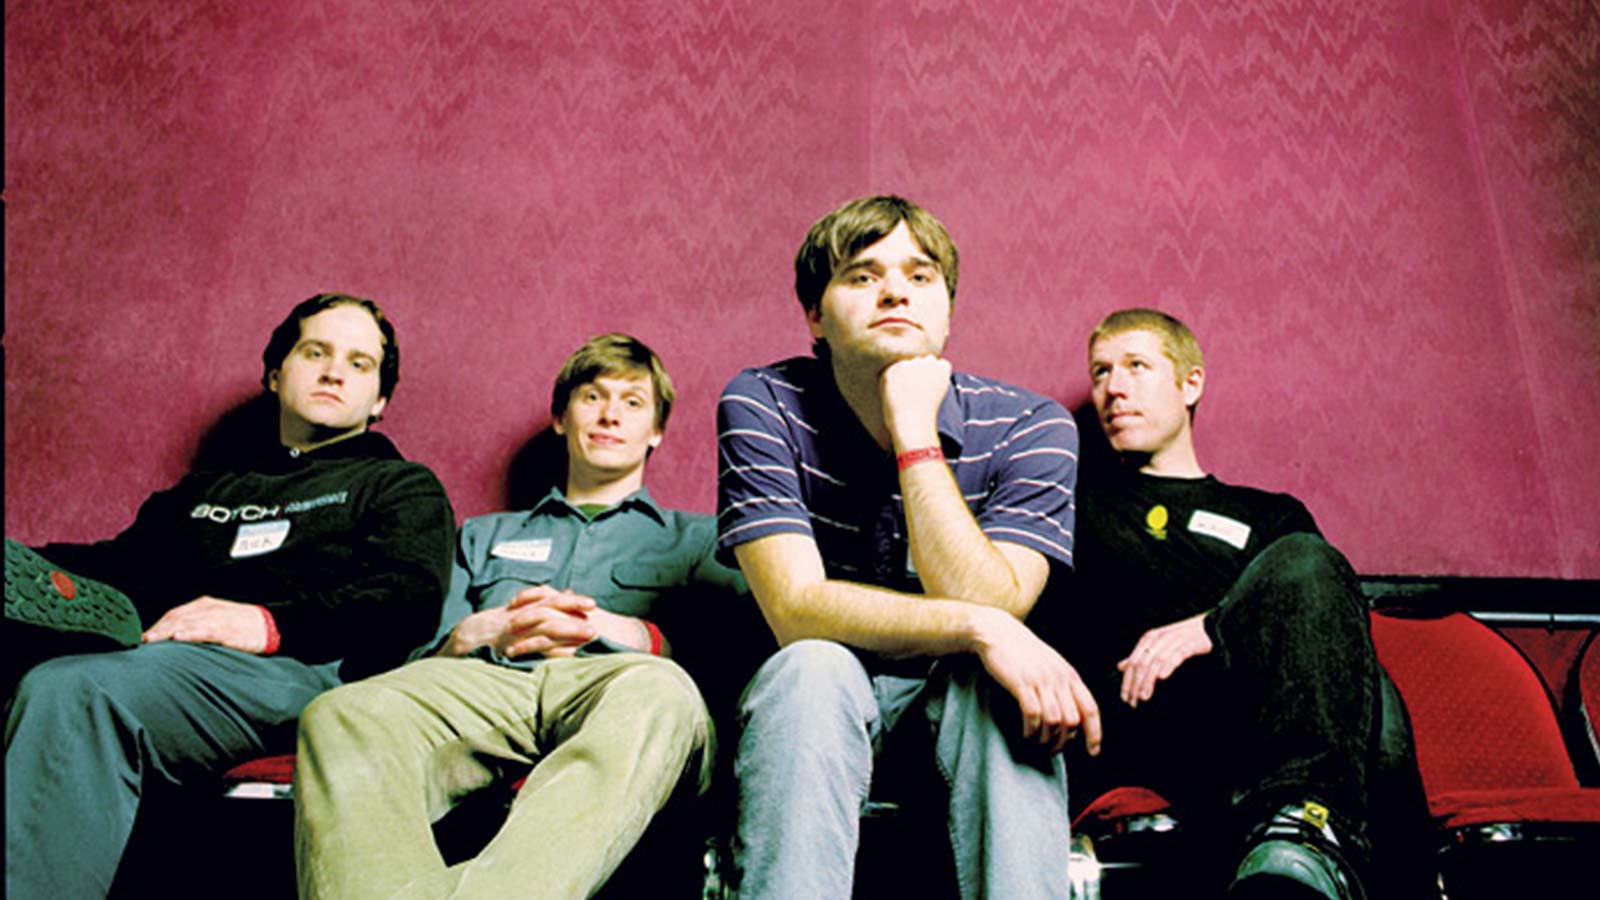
(896,522)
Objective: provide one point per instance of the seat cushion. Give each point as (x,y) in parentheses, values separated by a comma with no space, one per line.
(1121,803)
(1461,809)
(268,769)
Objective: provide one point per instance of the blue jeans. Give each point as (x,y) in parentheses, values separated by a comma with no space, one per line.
(814,718)
(87,733)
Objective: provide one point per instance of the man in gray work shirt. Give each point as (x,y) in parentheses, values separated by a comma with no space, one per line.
(550,655)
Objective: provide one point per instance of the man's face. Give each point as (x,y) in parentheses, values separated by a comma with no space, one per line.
(328,384)
(610,424)
(1141,403)
(888,303)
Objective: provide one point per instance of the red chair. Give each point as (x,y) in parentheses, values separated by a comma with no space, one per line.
(267,778)
(1586,694)
(1499,780)
(1128,843)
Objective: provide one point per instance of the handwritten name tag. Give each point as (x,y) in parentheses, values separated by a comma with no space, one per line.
(1229,531)
(258,538)
(531,550)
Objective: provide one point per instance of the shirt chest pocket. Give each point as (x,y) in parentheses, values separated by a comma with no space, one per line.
(638,586)
(501,579)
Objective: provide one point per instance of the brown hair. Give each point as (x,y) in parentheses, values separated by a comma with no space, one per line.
(837,237)
(288,334)
(613,354)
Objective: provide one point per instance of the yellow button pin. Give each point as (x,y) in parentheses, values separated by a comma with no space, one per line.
(1155,522)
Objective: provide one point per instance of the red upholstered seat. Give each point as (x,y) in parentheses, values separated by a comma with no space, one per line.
(1120,804)
(274,776)
(1489,744)
(1588,676)
(1476,807)
(267,778)
(274,769)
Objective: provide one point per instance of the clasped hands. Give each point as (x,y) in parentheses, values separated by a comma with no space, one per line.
(539,620)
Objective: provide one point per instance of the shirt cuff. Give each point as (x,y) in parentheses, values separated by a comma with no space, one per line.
(274,639)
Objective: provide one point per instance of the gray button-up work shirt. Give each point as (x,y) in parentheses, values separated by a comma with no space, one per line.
(634,559)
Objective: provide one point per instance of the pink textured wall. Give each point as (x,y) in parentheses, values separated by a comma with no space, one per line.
(1382,217)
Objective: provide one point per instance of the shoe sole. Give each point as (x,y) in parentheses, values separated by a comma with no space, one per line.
(41,594)
(1274,887)
(1285,869)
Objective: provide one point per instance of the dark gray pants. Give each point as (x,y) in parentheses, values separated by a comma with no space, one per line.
(85,732)
(1292,705)
(1285,708)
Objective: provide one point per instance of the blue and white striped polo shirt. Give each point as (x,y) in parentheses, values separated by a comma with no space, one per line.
(794,459)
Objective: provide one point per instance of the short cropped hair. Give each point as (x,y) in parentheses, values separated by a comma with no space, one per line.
(613,354)
(836,238)
(1177,341)
(288,333)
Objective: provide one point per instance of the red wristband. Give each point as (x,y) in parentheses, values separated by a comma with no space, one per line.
(922,454)
(273,638)
(655,637)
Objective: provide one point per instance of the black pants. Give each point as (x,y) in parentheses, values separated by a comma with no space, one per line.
(1284,709)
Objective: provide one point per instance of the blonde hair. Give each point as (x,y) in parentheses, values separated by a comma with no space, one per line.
(1178,343)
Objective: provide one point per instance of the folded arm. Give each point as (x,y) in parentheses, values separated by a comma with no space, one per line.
(799,601)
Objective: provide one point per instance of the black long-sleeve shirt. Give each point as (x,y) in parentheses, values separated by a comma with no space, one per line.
(348,546)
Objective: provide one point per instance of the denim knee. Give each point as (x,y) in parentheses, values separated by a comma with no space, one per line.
(804,766)
(810,678)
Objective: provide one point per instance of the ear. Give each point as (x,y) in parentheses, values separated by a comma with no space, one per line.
(559,425)
(272,381)
(655,438)
(377,408)
(1194,384)
(814,321)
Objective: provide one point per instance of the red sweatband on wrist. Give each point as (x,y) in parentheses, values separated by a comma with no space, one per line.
(922,454)
(273,638)
(655,637)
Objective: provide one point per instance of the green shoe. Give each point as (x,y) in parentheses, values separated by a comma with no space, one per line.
(1295,855)
(40,594)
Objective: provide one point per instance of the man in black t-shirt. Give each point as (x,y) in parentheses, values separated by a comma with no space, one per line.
(1234,636)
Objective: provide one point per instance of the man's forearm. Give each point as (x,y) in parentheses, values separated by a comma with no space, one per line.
(872,618)
(629,631)
(474,630)
(952,555)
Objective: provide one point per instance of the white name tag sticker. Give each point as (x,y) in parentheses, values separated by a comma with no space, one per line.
(532,550)
(1229,531)
(257,538)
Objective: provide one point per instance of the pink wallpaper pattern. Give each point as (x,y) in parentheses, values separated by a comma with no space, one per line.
(1381,216)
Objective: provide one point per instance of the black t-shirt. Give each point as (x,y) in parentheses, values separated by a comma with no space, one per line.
(1150,551)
